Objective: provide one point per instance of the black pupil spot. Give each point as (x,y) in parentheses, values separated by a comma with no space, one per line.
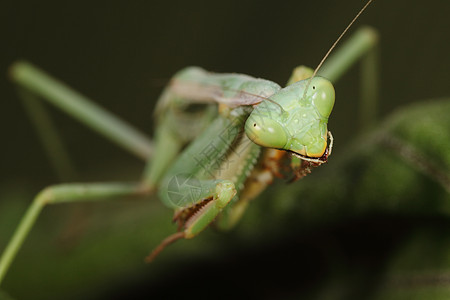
(254,124)
(314,87)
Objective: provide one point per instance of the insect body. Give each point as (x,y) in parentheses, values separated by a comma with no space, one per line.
(220,140)
(213,170)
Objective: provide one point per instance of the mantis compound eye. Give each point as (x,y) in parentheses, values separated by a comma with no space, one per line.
(322,95)
(265,132)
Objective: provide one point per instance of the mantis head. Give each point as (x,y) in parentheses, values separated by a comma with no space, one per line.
(295,118)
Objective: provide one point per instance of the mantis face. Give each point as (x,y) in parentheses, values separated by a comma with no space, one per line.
(294,119)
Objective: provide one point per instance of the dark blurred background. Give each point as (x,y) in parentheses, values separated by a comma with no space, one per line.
(121,53)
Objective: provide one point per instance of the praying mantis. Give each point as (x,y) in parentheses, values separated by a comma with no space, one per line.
(225,121)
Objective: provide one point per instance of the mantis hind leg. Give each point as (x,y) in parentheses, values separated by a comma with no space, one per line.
(60,194)
(59,159)
(36,87)
(42,85)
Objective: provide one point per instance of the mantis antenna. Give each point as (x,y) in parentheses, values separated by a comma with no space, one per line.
(335,43)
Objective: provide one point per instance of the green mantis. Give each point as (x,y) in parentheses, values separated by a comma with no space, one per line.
(208,161)
(214,169)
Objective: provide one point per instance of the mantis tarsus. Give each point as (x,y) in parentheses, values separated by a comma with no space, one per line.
(209,113)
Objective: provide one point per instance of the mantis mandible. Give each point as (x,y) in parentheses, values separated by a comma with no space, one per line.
(220,139)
